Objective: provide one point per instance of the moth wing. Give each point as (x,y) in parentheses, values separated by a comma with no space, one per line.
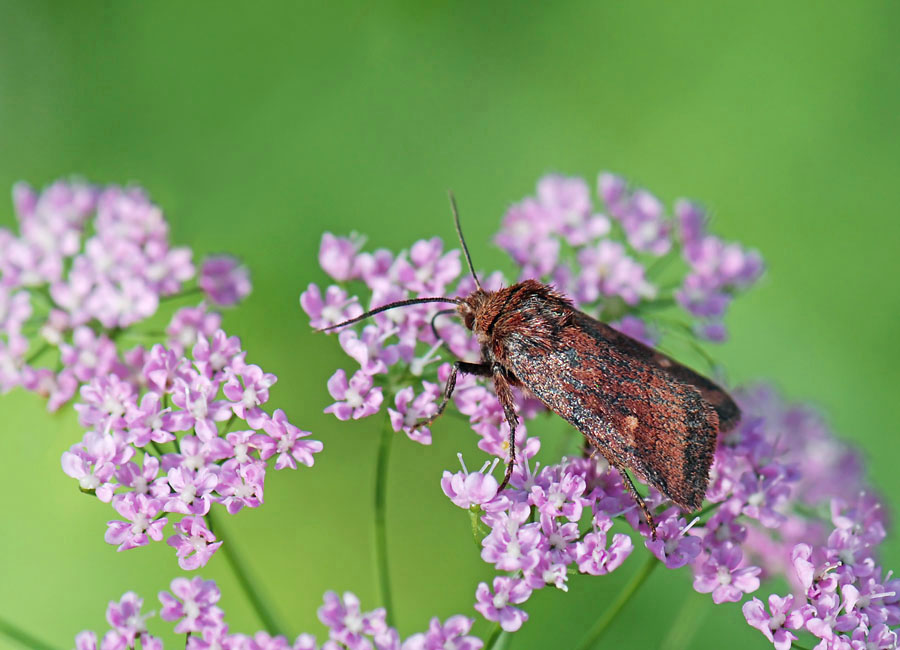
(728,412)
(624,403)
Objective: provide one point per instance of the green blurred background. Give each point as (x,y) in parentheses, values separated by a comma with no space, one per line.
(257,127)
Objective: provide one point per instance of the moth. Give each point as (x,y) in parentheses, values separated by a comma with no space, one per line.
(640,409)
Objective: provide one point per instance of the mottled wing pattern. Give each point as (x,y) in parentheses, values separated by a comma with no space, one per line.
(631,409)
(728,412)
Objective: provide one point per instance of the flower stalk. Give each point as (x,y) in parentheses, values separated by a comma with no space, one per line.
(248,584)
(596,633)
(381,551)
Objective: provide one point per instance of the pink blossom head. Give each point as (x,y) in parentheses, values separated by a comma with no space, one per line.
(224,280)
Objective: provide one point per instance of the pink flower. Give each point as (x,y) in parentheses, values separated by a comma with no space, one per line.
(286,440)
(126,619)
(149,421)
(141,511)
(247,398)
(465,489)
(224,280)
(356,398)
(140,479)
(411,410)
(673,546)
(106,401)
(592,554)
(191,490)
(241,485)
(188,325)
(775,626)
(195,544)
(93,462)
(333,309)
(559,498)
(348,624)
(215,356)
(201,409)
(337,256)
(192,603)
(452,635)
(719,573)
(163,368)
(499,605)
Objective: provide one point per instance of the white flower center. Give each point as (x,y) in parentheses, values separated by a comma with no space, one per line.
(249,400)
(723,575)
(332,314)
(113,406)
(140,523)
(353,398)
(353,622)
(188,493)
(191,610)
(217,360)
(89,482)
(557,498)
(88,358)
(199,408)
(756,499)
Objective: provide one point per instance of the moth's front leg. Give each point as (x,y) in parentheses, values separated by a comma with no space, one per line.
(504,394)
(478,369)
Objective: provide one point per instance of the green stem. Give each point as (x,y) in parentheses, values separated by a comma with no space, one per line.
(229,424)
(182,294)
(494,640)
(36,354)
(600,627)
(381,555)
(797,646)
(242,574)
(22,637)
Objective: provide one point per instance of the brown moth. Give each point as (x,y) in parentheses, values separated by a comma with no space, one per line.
(640,409)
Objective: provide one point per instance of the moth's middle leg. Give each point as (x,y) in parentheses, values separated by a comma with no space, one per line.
(626,479)
(478,369)
(504,394)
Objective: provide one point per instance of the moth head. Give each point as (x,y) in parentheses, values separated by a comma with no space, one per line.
(470,308)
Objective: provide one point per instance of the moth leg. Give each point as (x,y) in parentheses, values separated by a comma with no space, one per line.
(479,369)
(638,499)
(504,394)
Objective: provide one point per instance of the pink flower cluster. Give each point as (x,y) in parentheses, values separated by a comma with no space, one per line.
(171,428)
(87,263)
(774,507)
(208,405)
(192,607)
(842,596)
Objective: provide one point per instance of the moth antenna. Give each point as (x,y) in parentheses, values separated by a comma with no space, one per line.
(392,305)
(462,241)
